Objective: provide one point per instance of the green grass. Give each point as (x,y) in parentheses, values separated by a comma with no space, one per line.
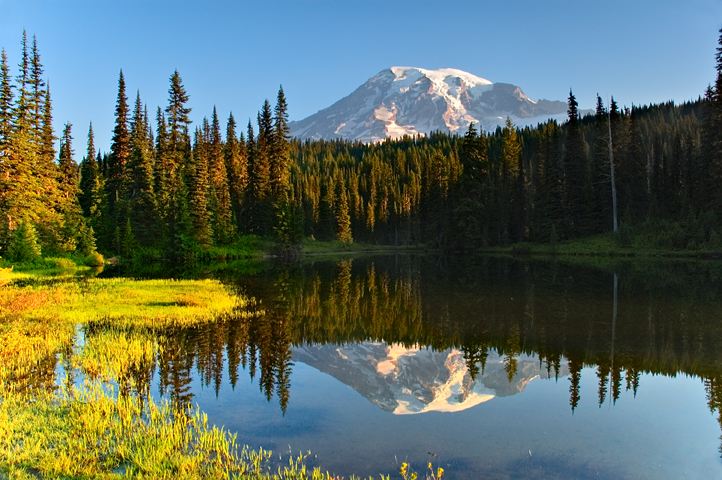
(90,430)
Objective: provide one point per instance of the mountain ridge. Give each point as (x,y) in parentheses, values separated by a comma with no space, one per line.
(402,101)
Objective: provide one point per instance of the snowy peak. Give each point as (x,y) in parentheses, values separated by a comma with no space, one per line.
(402,101)
(404,381)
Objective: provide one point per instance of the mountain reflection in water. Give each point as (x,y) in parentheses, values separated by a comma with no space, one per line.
(404,380)
(417,334)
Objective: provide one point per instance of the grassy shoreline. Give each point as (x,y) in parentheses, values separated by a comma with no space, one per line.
(95,423)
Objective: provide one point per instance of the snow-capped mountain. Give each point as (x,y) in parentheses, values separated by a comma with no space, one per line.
(415,380)
(408,101)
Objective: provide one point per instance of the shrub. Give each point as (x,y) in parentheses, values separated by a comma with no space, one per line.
(58,262)
(94,260)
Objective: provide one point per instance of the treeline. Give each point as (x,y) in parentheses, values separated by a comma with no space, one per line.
(166,190)
(159,191)
(541,184)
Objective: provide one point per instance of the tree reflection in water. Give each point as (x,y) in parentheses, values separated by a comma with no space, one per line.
(659,318)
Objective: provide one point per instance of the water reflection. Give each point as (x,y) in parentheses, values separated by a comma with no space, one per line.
(419,334)
(413,380)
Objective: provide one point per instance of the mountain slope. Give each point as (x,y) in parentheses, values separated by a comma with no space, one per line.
(408,101)
(406,381)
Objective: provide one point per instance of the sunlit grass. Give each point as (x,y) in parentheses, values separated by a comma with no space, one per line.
(113,354)
(92,430)
(89,433)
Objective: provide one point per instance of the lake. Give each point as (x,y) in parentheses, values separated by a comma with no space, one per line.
(487,367)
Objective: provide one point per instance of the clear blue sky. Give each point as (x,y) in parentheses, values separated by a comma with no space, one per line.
(235,54)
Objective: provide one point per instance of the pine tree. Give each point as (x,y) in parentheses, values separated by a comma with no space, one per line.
(69,172)
(24,245)
(280,161)
(234,152)
(259,175)
(469,209)
(177,167)
(343,220)
(22,190)
(576,171)
(6,106)
(35,80)
(89,177)
(200,218)
(600,219)
(73,222)
(118,170)
(143,208)
(512,189)
(220,197)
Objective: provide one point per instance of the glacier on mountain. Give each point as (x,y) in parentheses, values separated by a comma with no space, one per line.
(402,101)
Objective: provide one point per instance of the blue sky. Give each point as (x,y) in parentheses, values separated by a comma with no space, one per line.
(235,54)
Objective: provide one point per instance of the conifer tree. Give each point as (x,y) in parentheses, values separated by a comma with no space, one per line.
(162,176)
(234,152)
(259,182)
(118,170)
(343,220)
(576,171)
(24,245)
(200,219)
(35,80)
(177,157)
(22,192)
(600,219)
(89,177)
(280,161)
(511,194)
(69,172)
(6,106)
(220,197)
(73,222)
(143,208)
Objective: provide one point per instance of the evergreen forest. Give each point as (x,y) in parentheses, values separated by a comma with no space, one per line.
(169,189)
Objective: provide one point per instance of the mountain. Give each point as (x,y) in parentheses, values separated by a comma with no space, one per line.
(408,101)
(416,380)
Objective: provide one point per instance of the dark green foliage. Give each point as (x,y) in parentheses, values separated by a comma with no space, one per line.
(234,153)
(576,176)
(220,197)
(200,217)
(118,171)
(343,220)
(140,190)
(24,245)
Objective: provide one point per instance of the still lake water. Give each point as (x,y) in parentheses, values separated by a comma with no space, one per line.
(501,368)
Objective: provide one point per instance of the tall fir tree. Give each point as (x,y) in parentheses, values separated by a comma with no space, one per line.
(576,171)
(280,161)
(234,152)
(600,219)
(118,170)
(220,196)
(200,229)
(90,180)
(6,106)
(143,208)
(343,220)
(177,157)
(75,231)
